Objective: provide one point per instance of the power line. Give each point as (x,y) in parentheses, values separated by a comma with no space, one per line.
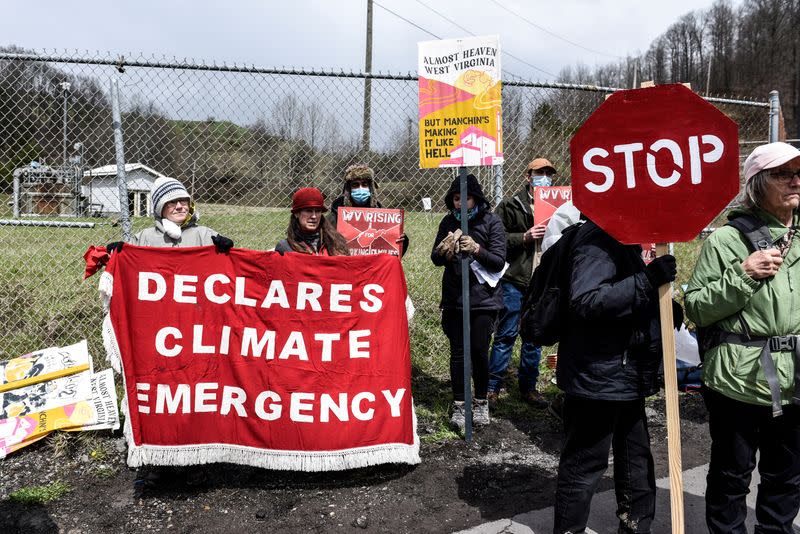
(405,19)
(462,28)
(451,21)
(573,43)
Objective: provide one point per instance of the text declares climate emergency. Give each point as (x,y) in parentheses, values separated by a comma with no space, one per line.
(259,345)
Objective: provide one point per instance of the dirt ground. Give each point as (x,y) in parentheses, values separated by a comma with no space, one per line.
(509,468)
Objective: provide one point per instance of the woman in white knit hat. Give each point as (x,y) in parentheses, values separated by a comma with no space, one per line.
(175,221)
(175,226)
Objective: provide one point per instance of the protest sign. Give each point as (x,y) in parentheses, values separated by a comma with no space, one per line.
(648,252)
(44,365)
(371,230)
(460,114)
(99,411)
(547,199)
(657,165)
(104,404)
(284,362)
(46,395)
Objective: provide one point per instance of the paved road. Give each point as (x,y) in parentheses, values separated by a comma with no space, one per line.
(603,521)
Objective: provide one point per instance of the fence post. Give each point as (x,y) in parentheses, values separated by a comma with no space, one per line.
(367,120)
(16,195)
(498,184)
(774,116)
(122,185)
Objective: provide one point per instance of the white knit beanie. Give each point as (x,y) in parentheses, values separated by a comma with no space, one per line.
(165,190)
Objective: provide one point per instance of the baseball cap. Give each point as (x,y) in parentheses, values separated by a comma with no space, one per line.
(768,156)
(540,163)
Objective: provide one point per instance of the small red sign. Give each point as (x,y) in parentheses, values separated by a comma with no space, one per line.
(546,201)
(371,230)
(655,164)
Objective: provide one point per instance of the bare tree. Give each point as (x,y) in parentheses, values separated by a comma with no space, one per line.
(288,118)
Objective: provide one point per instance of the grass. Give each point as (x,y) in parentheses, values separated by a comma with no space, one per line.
(40,494)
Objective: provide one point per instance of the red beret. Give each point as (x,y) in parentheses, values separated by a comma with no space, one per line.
(306,198)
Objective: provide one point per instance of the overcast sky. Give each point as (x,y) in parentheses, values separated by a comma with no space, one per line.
(330,34)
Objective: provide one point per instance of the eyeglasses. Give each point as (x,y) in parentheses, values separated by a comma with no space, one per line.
(784,177)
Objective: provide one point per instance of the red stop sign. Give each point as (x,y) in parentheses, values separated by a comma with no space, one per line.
(655,164)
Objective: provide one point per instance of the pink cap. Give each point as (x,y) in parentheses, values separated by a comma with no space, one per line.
(768,156)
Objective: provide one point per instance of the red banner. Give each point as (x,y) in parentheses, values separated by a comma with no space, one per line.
(371,230)
(285,362)
(547,199)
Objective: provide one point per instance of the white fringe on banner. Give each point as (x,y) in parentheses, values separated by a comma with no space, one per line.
(286,460)
(106,288)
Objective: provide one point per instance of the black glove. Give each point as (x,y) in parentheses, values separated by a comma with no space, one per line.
(115,246)
(677,315)
(661,270)
(223,244)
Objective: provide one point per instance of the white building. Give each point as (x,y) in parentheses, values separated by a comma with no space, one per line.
(100,187)
(476,148)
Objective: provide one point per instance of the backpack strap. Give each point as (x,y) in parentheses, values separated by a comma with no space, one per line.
(755,230)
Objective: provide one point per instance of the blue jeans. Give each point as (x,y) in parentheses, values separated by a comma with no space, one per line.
(504,338)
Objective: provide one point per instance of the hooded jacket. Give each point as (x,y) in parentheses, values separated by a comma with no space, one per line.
(611,348)
(487,230)
(192,235)
(719,289)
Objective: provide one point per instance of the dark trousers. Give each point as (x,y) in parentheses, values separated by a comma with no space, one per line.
(482,323)
(591,427)
(738,430)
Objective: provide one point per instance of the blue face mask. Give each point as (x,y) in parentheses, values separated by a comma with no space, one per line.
(360,195)
(541,181)
(471,213)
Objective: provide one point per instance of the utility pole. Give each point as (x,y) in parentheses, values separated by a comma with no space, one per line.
(708,74)
(367,84)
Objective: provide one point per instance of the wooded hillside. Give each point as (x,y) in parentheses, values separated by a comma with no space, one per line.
(724,50)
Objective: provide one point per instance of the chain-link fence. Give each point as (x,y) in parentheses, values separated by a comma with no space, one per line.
(241,139)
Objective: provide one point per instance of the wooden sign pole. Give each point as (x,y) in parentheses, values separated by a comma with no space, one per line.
(671,396)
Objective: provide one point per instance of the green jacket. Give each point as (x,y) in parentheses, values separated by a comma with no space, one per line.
(719,289)
(517,216)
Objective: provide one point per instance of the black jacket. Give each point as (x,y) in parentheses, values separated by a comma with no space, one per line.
(487,230)
(611,349)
